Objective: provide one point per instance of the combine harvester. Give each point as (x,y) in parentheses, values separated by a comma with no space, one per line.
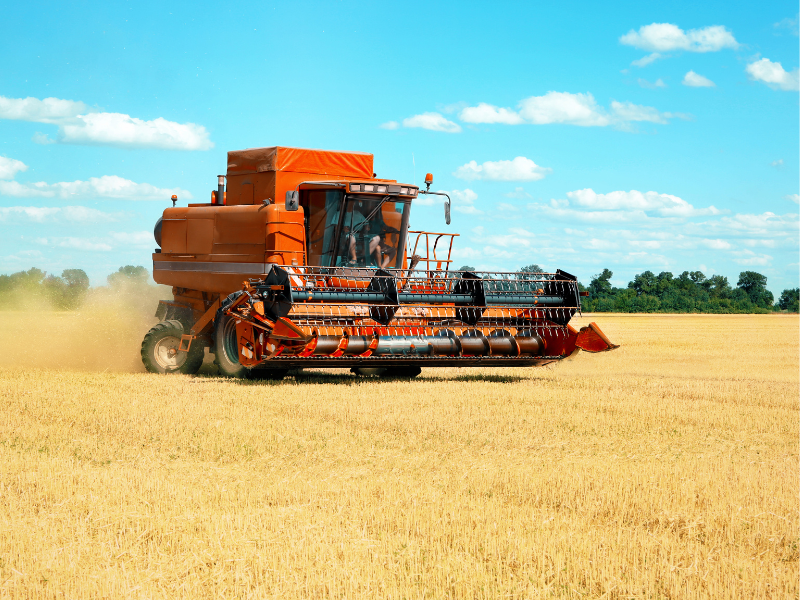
(306,261)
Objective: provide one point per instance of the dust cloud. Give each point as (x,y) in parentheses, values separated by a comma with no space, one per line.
(104,334)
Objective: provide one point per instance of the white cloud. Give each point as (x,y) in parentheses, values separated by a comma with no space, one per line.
(717,244)
(664,37)
(115,129)
(71,214)
(692,79)
(24,256)
(10,167)
(74,243)
(432,121)
(519,169)
(788,23)
(598,244)
(464,201)
(468,210)
(49,110)
(518,193)
(766,224)
(630,241)
(107,186)
(486,113)
(136,238)
(77,124)
(564,107)
(665,205)
(114,239)
(15,189)
(777,163)
(627,111)
(646,60)
(749,258)
(504,207)
(793,198)
(466,196)
(390,125)
(659,83)
(774,75)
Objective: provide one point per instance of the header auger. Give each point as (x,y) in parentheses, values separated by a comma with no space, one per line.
(324,279)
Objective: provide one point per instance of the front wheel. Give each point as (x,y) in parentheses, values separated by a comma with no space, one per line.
(226,347)
(160,352)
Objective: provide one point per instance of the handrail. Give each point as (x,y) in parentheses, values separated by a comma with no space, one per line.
(430,253)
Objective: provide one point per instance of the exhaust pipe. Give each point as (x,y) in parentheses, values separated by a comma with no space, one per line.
(220,199)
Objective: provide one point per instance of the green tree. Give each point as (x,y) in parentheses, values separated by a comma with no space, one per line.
(718,287)
(534,268)
(600,285)
(645,283)
(665,279)
(697,277)
(466,268)
(69,290)
(755,286)
(790,300)
(128,276)
(623,300)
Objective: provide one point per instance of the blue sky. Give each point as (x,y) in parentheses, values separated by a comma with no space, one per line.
(660,136)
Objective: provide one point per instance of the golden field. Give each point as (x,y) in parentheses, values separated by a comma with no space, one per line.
(665,469)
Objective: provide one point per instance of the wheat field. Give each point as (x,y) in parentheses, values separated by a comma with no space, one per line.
(665,469)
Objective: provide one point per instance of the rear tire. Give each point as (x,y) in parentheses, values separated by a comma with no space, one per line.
(160,350)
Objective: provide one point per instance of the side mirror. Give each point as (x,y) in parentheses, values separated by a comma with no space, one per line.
(292,200)
(447,211)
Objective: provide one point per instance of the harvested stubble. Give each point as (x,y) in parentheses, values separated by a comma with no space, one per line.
(666,469)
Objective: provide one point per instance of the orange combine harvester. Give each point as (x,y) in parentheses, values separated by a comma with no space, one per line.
(306,260)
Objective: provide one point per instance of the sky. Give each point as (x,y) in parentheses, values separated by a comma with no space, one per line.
(574,135)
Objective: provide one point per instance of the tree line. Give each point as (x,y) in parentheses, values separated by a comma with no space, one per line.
(689,292)
(63,292)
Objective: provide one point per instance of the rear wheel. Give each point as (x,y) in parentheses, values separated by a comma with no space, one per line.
(160,352)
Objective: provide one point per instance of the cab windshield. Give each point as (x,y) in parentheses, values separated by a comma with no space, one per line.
(353,230)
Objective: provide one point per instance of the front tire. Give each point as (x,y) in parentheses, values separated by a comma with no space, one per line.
(226,349)
(160,352)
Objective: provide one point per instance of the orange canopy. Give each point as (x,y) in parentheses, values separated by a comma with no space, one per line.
(300,160)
